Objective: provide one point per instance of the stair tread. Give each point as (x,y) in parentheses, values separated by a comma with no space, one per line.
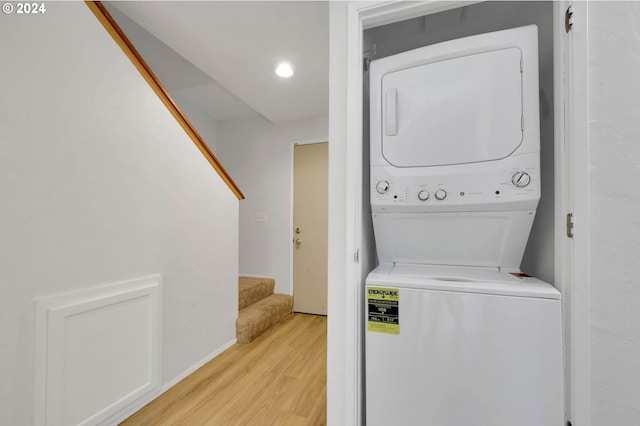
(266,303)
(257,318)
(245,282)
(253,289)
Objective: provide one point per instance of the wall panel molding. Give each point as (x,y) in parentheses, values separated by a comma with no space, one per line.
(97,351)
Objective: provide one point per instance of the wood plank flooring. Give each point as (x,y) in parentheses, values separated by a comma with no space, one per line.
(278,379)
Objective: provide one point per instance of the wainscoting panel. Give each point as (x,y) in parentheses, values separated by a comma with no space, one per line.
(97,351)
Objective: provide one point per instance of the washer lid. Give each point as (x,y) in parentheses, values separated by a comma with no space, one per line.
(462,109)
(461,279)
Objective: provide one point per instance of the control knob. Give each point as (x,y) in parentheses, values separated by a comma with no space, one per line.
(382,186)
(441,194)
(520,179)
(423,195)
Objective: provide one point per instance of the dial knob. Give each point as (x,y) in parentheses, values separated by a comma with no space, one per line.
(441,194)
(423,195)
(382,186)
(520,179)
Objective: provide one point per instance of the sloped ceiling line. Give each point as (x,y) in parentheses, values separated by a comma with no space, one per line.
(110,25)
(238,43)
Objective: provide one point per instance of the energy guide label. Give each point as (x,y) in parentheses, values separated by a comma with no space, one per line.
(383,310)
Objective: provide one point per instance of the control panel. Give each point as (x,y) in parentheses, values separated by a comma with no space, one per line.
(517,186)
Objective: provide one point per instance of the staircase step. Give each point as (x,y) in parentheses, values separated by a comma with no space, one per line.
(261,316)
(252,289)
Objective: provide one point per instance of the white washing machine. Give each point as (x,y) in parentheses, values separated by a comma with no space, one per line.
(456,335)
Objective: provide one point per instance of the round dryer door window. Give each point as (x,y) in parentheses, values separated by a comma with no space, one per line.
(458,110)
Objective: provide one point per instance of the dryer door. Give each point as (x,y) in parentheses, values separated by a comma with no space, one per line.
(459,110)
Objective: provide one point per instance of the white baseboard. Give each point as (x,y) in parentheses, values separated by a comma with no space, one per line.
(133,408)
(197,365)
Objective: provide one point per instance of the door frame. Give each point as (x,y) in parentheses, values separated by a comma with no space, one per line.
(291,224)
(572,195)
(572,173)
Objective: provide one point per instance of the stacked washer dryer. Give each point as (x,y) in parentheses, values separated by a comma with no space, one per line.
(456,334)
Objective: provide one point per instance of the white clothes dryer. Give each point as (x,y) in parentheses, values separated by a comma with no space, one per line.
(455,334)
(455,150)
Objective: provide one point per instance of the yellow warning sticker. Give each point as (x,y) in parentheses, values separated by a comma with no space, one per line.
(382,308)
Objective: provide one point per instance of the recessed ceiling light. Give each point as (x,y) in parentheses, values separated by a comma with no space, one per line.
(284,69)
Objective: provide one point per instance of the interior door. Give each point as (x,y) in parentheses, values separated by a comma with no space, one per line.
(310,235)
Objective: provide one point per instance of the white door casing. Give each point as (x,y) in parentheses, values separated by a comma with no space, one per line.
(572,196)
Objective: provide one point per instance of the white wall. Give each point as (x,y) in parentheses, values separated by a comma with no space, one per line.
(614,144)
(206,126)
(98,183)
(257,154)
(174,72)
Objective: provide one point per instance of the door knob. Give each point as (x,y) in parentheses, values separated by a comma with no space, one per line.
(298,241)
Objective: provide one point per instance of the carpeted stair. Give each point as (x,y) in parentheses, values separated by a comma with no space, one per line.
(259,308)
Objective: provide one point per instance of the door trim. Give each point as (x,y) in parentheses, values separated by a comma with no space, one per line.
(575,192)
(291,224)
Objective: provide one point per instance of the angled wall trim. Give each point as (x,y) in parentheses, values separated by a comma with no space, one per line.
(121,39)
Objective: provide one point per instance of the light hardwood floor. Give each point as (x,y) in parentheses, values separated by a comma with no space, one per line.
(278,379)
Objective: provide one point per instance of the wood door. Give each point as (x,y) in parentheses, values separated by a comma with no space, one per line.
(310,234)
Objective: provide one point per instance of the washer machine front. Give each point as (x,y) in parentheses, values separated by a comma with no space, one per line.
(447,347)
